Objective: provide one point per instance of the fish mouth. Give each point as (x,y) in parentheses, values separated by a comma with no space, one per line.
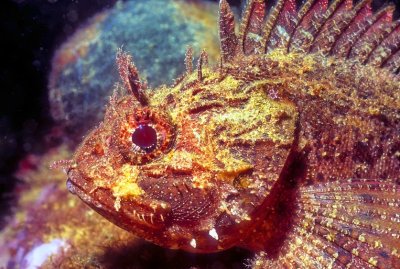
(142,216)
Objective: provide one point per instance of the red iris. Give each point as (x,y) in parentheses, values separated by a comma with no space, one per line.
(145,137)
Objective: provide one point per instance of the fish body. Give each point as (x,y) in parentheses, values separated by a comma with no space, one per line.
(290,147)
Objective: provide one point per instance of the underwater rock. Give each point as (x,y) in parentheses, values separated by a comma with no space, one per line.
(49,226)
(156,32)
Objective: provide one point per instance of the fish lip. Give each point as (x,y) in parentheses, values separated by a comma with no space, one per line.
(137,216)
(74,188)
(70,186)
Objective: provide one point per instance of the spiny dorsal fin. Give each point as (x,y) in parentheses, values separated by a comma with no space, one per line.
(130,77)
(228,39)
(351,224)
(337,29)
(309,17)
(314,30)
(391,49)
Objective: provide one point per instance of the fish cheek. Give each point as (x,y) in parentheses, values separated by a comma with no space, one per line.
(266,144)
(189,205)
(143,217)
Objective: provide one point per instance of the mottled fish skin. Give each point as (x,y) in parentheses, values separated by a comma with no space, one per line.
(290,147)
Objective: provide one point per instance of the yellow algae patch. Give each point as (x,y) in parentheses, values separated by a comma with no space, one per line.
(395,253)
(20,216)
(126,184)
(66,231)
(378,244)
(202,180)
(373,261)
(361,238)
(181,160)
(233,166)
(259,120)
(230,83)
(30,196)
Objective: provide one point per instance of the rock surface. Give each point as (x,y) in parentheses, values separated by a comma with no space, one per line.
(155,32)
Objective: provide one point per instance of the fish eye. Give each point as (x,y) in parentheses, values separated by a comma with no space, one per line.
(143,135)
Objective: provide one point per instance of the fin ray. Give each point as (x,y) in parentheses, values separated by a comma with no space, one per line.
(332,229)
(250,27)
(393,62)
(359,216)
(375,34)
(387,48)
(338,16)
(228,39)
(284,18)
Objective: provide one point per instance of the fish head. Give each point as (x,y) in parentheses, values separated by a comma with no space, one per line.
(192,166)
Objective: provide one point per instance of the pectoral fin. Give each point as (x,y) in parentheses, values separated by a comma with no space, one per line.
(351,224)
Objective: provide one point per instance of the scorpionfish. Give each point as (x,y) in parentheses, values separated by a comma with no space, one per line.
(289,147)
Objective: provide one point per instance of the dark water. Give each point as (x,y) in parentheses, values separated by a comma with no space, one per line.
(30,30)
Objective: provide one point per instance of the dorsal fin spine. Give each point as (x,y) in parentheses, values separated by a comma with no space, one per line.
(375,54)
(228,39)
(307,15)
(251,24)
(368,22)
(304,9)
(365,44)
(130,77)
(270,23)
(285,24)
(392,63)
(332,8)
(358,8)
(189,60)
(336,27)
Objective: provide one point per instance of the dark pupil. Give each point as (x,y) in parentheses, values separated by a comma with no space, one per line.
(145,137)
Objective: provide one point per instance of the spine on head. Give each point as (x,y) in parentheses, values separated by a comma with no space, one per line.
(130,77)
